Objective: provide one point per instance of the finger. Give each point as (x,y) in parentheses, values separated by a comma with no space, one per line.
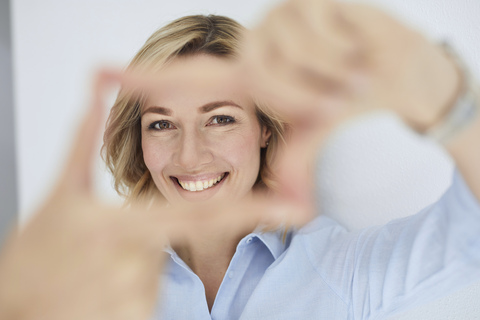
(325,19)
(178,223)
(294,166)
(77,174)
(175,224)
(316,45)
(290,98)
(273,81)
(290,88)
(288,55)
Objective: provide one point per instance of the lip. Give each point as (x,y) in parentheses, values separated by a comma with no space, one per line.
(201,194)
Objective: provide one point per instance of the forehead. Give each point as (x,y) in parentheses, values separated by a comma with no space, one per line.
(193,81)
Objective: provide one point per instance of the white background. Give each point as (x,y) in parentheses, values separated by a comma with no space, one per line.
(371,172)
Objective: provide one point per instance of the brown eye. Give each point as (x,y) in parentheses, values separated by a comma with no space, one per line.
(222,120)
(161,125)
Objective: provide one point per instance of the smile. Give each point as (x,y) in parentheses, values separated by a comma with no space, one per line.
(200,185)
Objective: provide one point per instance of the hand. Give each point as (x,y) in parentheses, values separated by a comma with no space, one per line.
(320,62)
(326,60)
(79,258)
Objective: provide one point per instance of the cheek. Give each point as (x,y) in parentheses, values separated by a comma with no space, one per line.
(243,152)
(155,155)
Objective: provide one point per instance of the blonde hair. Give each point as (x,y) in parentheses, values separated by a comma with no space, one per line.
(122,149)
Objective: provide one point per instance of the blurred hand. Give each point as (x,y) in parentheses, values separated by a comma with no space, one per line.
(79,258)
(324,61)
(319,62)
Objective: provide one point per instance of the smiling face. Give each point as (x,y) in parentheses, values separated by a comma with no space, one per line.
(201,138)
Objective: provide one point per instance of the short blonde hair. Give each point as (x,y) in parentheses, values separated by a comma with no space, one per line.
(122,149)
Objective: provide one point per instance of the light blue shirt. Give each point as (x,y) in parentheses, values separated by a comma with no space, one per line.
(323,271)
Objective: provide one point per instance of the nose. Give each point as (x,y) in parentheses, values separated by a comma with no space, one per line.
(192,152)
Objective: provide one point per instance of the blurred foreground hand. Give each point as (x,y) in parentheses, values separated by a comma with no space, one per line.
(79,258)
(320,62)
(324,60)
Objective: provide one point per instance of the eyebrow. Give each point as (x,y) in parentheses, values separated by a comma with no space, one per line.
(203,109)
(159,110)
(217,104)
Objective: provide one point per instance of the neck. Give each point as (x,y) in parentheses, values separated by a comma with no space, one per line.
(208,254)
(212,246)
(209,249)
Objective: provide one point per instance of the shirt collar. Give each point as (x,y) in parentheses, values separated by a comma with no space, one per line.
(276,241)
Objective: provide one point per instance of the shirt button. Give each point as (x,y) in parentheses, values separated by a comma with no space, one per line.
(249,240)
(231,274)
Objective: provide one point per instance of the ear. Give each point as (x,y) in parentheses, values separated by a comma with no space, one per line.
(266,134)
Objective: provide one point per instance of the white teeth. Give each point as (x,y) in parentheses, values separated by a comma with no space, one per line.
(200,185)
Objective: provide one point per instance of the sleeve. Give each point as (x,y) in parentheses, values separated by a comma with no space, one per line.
(414,260)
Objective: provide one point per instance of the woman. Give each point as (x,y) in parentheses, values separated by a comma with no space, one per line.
(189,134)
(211,144)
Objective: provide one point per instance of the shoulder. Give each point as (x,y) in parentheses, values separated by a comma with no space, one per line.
(321,231)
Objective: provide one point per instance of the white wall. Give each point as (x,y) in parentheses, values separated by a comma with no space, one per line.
(370,173)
